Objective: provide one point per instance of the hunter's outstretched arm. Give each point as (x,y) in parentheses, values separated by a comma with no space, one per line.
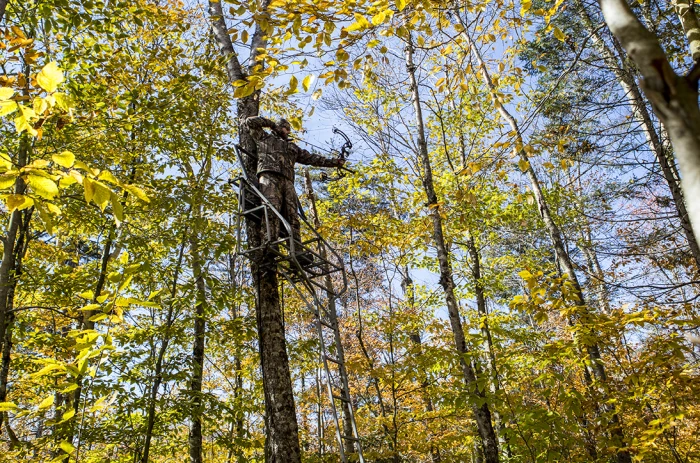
(304,157)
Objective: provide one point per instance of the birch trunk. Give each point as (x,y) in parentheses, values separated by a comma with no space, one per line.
(482,413)
(494,382)
(685,9)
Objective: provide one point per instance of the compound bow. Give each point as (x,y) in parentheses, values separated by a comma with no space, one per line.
(342,154)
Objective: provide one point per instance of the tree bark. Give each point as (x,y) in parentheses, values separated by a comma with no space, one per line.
(3,7)
(282,435)
(685,9)
(482,413)
(674,98)
(491,366)
(195,436)
(8,264)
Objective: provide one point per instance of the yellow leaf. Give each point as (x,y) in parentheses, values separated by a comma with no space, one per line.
(244,36)
(306,83)
(242,92)
(400,4)
(559,34)
(359,24)
(7,180)
(564,163)
(380,18)
(64,159)
(108,177)
(89,189)
(40,105)
(138,192)
(6,406)
(68,415)
(5,161)
(117,208)
(6,93)
(44,187)
(7,107)
(50,77)
(18,202)
(317,94)
(67,446)
(102,194)
(524,165)
(293,83)
(46,403)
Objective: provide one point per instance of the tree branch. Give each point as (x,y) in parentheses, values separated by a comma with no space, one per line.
(218,25)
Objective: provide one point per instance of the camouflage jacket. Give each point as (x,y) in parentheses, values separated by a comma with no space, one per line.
(275,154)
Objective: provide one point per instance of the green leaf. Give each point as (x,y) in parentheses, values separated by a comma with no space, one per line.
(46,403)
(64,159)
(50,77)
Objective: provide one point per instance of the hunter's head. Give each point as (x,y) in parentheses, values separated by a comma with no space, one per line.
(283,128)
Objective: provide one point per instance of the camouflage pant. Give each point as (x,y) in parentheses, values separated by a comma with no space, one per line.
(283,197)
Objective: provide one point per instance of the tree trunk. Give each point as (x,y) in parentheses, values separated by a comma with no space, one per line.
(3,6)
(685,9)
(282,435)
(195,436)
(481,411)
(674,98)
(8,264)
(491,366)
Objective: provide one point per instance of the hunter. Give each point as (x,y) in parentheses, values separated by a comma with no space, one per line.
(276,158)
